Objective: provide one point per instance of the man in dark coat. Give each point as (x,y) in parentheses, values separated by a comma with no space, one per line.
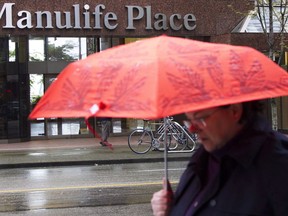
(240,169)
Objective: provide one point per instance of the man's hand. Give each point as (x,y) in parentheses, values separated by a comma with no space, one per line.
(162,200)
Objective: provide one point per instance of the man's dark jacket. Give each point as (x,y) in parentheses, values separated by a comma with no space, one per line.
(253,177)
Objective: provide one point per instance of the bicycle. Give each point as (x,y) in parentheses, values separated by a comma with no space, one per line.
(178,138)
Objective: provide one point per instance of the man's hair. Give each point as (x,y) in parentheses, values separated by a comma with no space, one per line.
(250,110)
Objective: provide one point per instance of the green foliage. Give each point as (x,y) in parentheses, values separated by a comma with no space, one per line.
(56,53)
(35,100)
(12,53)
(33,59)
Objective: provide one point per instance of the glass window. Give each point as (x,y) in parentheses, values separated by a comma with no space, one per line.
(105,43)
(63,49)
(70,126)
(37,128)
(12,49)
(36,88)
(36,49)
(83,48)
(36,92)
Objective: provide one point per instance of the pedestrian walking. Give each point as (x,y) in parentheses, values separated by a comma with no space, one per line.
(105,130)
(241,167)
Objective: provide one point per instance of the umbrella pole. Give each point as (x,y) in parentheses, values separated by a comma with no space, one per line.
(166,152)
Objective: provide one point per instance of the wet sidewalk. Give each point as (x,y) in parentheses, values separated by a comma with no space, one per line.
(75,152)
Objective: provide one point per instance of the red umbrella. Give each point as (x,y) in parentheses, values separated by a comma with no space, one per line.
(159,77)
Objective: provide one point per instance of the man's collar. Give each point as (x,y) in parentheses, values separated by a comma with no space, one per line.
(246,144)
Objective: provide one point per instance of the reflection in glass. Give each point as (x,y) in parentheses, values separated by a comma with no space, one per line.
(37,128)
(116,126)
(70,127)
(36,49)
(83,48)
(36,92)
(12,49)
(105,43)
(63,49)
(52,128)
(36,88)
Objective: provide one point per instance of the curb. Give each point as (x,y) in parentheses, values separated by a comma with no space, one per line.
(88,162)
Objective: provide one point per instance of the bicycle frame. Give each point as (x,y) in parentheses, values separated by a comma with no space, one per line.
(186,133)
(173,129)
(170,136)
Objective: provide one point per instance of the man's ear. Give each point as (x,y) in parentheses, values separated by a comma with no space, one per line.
(237,110)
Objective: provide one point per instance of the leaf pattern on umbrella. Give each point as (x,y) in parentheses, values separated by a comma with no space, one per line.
(188,79)
(73,93)
(272,85)
(127,91)
(208,62)
(106,76)
(179,80)
(249,80)
(191,75)
(211,64)
(284,81)
(175,49)
(255,77)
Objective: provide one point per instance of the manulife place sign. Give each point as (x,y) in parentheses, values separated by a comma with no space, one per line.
(88,17)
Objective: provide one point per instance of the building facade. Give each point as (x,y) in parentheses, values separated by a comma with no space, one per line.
(39,38)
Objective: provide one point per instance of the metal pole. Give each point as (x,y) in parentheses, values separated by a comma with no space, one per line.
(165,152)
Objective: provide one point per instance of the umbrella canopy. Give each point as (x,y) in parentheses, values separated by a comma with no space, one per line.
(159,77)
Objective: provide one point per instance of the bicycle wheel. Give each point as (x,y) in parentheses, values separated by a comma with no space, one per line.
(159,143)
(179,137)
(140,141)
(173,137)
(172,143)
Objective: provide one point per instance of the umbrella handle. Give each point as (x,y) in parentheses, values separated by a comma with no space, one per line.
(166,153)
(167,185)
